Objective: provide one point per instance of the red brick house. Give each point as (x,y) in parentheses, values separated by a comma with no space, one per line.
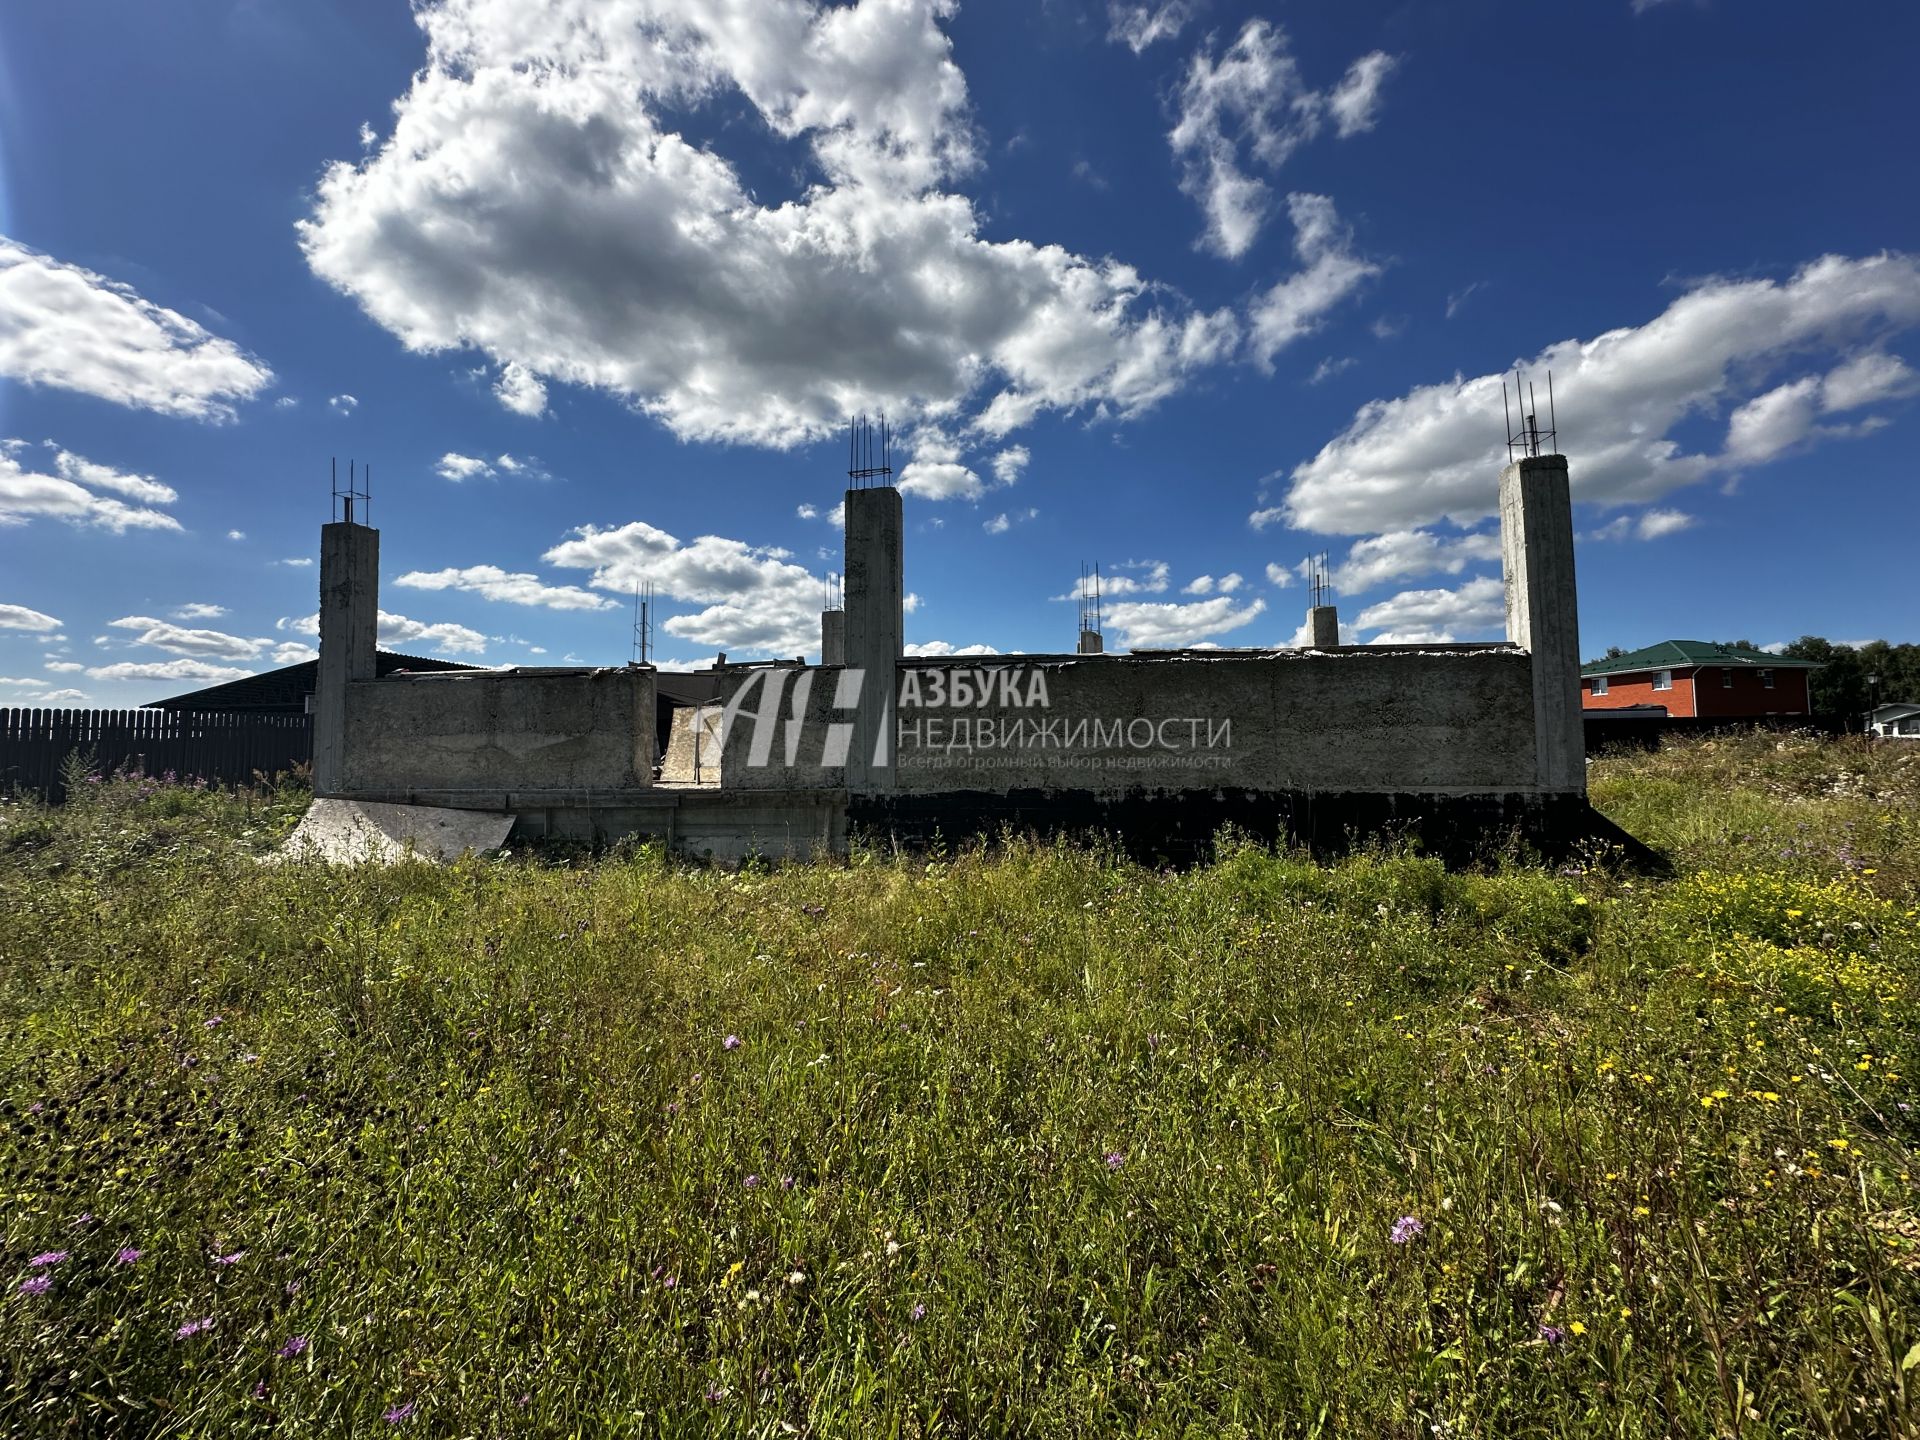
(1693,678)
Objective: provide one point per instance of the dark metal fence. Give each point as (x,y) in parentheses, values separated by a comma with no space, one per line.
(219,749)
(1607,731)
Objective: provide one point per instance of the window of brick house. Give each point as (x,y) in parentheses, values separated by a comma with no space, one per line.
(1663,679)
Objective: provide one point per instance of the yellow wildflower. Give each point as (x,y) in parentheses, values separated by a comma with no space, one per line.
(1577,1328)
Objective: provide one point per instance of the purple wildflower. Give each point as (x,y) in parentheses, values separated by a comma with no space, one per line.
(234,1259)
(732,1042)
(1115,1159)
(127,1255)
(523,1401)
(716,1393)
(1405,1229)
(1553,1334)
(260,1391)
(669,1282)
(214,1022)
(46,1258)
(751,1182)
(36,1107)
(193,1328)
(400,1412)
(292,1348)
(787,1182)
(35,1284)
(919,1312)
(85,1218)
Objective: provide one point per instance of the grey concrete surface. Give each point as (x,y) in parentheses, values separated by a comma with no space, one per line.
(693,747)
(349,627)
(1536,554)
(876,627)
(1323,626)
(352,832)
(833,637)
(587,730)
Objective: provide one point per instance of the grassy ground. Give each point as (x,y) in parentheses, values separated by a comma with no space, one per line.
(1037,1143)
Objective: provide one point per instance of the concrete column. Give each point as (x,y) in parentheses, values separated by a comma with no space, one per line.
(349,623)
(876,629)
(1536,553)
(833,637)
(1323,624)
(1092,643)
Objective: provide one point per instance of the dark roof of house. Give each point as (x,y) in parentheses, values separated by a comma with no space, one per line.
(285,690)
(1681,654)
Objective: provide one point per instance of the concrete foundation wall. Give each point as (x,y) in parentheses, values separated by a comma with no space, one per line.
(1353,720)
(1359,720)
(584,732)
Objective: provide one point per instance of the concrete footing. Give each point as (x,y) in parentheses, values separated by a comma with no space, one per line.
(352,832)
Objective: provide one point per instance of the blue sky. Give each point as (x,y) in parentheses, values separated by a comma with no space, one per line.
(1189,288)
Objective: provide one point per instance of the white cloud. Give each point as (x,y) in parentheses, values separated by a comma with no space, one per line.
(937,648)
(1436,616)
(1355,101)
(1428,455)
(1145,624)
(1458,299)
(1296,306)
(58,697)
(998,525)
(493,583)
(199,610)
(293,653)
(394,631)
(807,512)
(343,404)
(1199,585)
(756,601)
(456,467)
(69,328)
(19,617)
(64,667)
(1279,576)
(286,402)
(1252,95)
(1231,582)
(26,494)
(936,472)
(236,534)
(520,391)
(1402,554)
(198,670)
(1127,577)
(533,202)
(1137,25)
(1011,463)
(205,644)
(1648,525)
(1867,379)
(82,471)
(297,562)
(1330,367)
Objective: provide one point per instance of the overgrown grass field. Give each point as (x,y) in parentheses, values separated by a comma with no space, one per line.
(1023,1142)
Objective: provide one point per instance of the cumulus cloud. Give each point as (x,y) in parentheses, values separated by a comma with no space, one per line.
(755,599)
(71,329)
(1207,584)
(1436,616)
(1011,463)
(520,390)
(1145,624)
(998,525)
(936,648)
(19,617)
(1403,554)
(1279,576)
(395,631)
(493,583)
(64,667)
(59,697)
(535,202)
(72,493)
(457,467)
(1332,271)
(1138,25)
(807,512)
(1648,525)
(1251,100)
(199,610)
(291,652)
(236,534)
(343,404)
(178,640)
(1435,452)
(936,471)
(1125,577)
(198,670)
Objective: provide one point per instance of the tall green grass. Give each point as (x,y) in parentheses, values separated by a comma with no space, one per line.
(1028,1141)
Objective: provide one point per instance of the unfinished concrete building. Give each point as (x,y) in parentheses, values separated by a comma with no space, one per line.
(1457,744)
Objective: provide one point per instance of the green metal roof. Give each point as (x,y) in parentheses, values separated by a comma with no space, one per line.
(1681,654)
